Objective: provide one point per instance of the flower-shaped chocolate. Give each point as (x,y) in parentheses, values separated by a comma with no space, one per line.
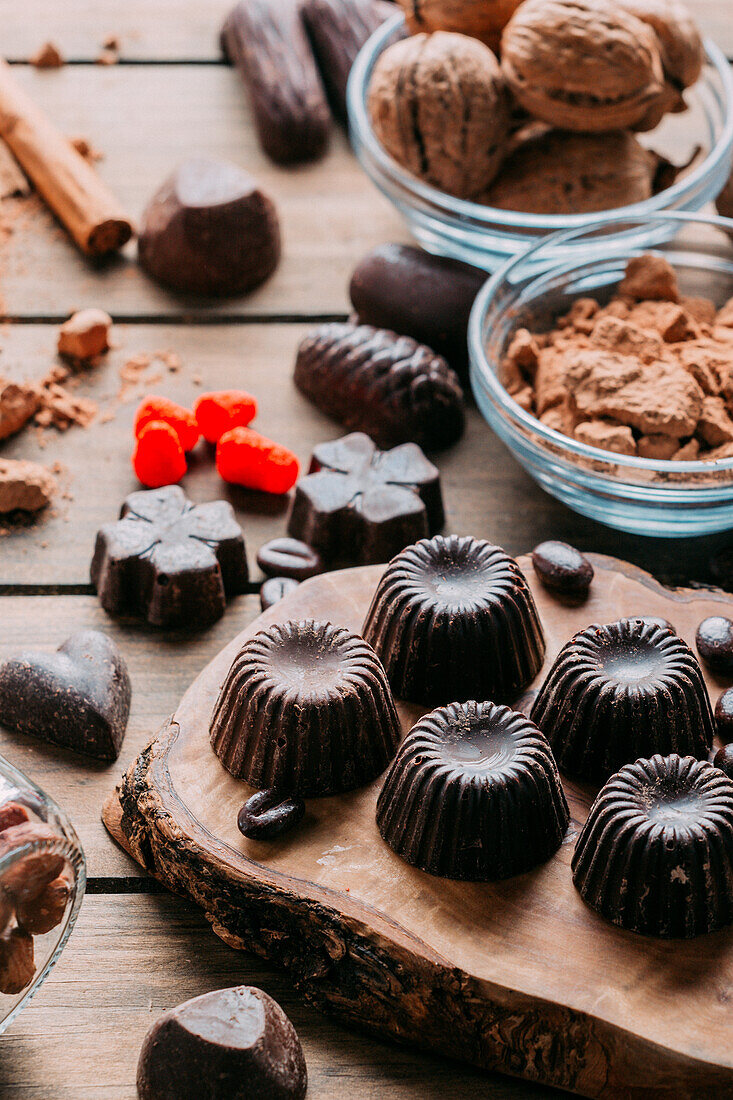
(170,561)
(364,505)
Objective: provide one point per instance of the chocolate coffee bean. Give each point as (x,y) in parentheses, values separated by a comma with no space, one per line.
(77,697)
(374,381)
(269,814)
(338,29)
(286,557)
(210,230)
(724,716)
(275,589)
(169,561)
(562,568)
(363,505)
(714,640)
(397,286)
(226,1045)
(723,759)
(267,41)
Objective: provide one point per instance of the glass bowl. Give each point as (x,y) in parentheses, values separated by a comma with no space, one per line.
(20,797)
(639,495)
(487,237)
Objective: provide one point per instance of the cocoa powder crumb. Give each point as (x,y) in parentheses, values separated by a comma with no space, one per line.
(85,149)
(85,335)
(18,403)
(24,486)
(48,57)
(649,278)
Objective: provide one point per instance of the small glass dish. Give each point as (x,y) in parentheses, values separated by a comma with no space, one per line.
(642,496)
(24,804)
(487,237)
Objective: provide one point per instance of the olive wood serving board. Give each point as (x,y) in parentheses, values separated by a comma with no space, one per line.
(517,976)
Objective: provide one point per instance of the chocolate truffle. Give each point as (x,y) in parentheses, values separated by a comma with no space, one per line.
(473,794)
(453,619)
(231,1044)
(620,691)
(306,709)
(210,230)
(656,853)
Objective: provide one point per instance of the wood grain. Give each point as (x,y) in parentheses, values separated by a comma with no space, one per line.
(500,974)
(132,957)
(161,666)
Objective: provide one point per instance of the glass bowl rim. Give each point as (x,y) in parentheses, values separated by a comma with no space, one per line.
(521,420)
(488,217)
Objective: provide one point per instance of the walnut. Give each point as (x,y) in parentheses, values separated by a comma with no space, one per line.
(679,38)
(557,172)
(584,65)
(482,19)
(439,106)
(724,201)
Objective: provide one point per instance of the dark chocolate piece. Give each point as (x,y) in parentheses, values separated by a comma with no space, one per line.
(77,697)
(473,793)
(169,561)
(724,716)
(621,691)
(305,708)
(286,557)
(231,1044)
(267,42)
(337,30)
(562,568)
(714,641)
(413,292)
(656,853)
(269,814)
(389,386)
(362,505)
(275,589)
(454,619)
(723,759)
(210,230)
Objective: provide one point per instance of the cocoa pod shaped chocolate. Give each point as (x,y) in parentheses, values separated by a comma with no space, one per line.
(267,42)
(374,381)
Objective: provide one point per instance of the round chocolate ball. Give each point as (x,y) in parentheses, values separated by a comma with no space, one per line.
(723,759)
(562,568)
(724,716)
(714,640)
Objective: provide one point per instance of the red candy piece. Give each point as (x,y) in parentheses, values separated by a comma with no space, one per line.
(181,420)
(244,457)
(219,412)
(158,458)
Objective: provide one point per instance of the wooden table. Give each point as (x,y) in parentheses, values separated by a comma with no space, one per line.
(136,950)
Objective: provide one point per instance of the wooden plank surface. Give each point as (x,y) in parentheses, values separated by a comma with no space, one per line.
(175,30)
(145,120)
(132,957)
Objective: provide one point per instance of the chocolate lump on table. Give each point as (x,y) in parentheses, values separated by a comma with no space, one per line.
(210,230)
(285,557)
(389,386)
(228,1044)
(562,568)
(655,855)
(714,640)
(724,716)
(723,759)
(473,794)
(412,292)
(364,505)
(77,697)
(169,561)
(268,814)
(454,619)
(306,709)
(620,691)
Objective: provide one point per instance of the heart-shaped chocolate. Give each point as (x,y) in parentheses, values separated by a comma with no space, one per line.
(78,697)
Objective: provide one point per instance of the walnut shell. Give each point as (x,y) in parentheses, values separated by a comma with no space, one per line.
(439,106)
(584,65)
(482,19)
(679,38)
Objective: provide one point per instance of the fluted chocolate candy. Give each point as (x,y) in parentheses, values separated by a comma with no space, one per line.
(374,381)
(656,852)
(232,1044)
(454,619)
(210,230)
(305,709)
(399,287)
(620,691)
(473,794)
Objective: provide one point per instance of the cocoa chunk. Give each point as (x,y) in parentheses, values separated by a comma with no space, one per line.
(606,435)
(725,315)
(525,398)
(24,486)
(688,452)
(666,318)
(550,378)
(85,334)
(704,364)
(18,403)
(714,426)
(581,315)
(649,277)
(560,417)
(617,335)
(724,451)
(701,310)
(523,351)
(657,446)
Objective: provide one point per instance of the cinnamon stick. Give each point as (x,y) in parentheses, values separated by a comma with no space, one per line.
(70,187)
